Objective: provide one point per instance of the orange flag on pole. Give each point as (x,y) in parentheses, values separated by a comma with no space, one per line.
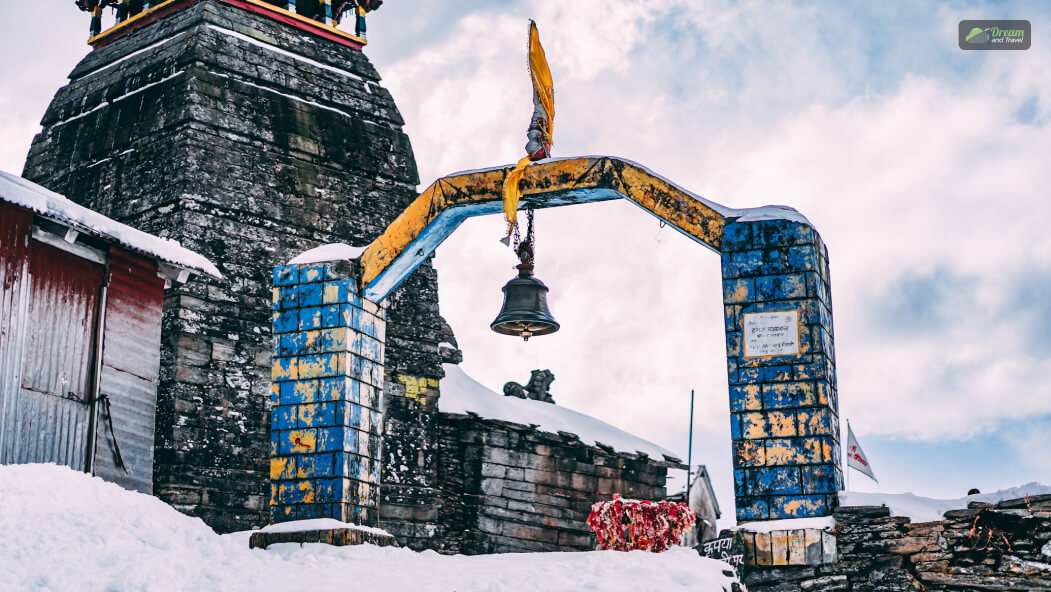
(541,125)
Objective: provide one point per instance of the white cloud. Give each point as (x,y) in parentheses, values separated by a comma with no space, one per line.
(748,104)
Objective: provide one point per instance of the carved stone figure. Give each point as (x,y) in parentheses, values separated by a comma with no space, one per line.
(537,388)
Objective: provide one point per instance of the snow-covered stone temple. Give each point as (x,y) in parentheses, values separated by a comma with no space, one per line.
(253,131)
(305,381)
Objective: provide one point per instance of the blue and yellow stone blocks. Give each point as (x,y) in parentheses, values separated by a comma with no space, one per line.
(781,367)
(326,397)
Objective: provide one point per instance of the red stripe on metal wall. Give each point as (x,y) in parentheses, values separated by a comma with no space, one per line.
(60,330)
(15,226)
(130,367)
(47,398)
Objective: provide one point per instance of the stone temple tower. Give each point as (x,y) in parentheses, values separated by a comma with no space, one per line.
(248,136)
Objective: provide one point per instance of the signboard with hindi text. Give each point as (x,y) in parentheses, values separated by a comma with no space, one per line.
(724,548)
(771,333)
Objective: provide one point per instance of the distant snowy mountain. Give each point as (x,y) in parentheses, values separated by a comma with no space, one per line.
(925,509)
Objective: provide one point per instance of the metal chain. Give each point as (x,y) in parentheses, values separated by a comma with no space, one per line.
(529,232)
(517,236)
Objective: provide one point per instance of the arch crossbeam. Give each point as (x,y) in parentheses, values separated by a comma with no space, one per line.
(447,202)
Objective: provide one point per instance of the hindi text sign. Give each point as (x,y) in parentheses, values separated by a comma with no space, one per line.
(771,333)
(723,549)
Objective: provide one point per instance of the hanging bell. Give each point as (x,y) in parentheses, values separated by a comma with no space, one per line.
(525,310)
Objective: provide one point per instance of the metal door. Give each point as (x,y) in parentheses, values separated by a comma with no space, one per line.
(50,418)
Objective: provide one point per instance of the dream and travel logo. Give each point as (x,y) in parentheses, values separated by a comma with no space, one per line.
(995,35)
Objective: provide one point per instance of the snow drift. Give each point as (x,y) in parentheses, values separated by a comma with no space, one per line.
(65,530)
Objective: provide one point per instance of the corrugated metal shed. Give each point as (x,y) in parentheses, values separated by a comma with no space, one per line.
(80,332)
(48,417)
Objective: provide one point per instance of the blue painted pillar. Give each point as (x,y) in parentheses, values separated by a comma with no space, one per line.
(359,22)
(96,22)
(326,399)
(122,10)
(326,12)
(784,415)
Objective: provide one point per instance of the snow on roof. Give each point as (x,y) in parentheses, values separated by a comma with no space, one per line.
(925,509)
(29,195)
(331,252)
(71,531)
(770,213)
(462,394)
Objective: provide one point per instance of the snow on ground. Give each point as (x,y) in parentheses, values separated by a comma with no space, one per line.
(64,530)
(461,393)
(19,191)
(925,509)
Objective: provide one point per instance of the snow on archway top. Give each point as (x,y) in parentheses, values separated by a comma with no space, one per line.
(326,253)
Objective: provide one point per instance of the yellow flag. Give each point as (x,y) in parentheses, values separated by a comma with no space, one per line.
(544,98)
(543,86)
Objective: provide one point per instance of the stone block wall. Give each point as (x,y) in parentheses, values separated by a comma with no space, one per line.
(509,488)
(326,397)
(249,141)
(410,494)
(781,366)
(1006,546)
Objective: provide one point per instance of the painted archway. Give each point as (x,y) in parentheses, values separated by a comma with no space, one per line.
(329,336)
(442,207)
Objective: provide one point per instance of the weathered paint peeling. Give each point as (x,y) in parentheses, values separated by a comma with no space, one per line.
(328,384)
(416,388)
(544,184)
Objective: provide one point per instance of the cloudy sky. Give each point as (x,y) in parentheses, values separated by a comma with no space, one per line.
(925,168)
